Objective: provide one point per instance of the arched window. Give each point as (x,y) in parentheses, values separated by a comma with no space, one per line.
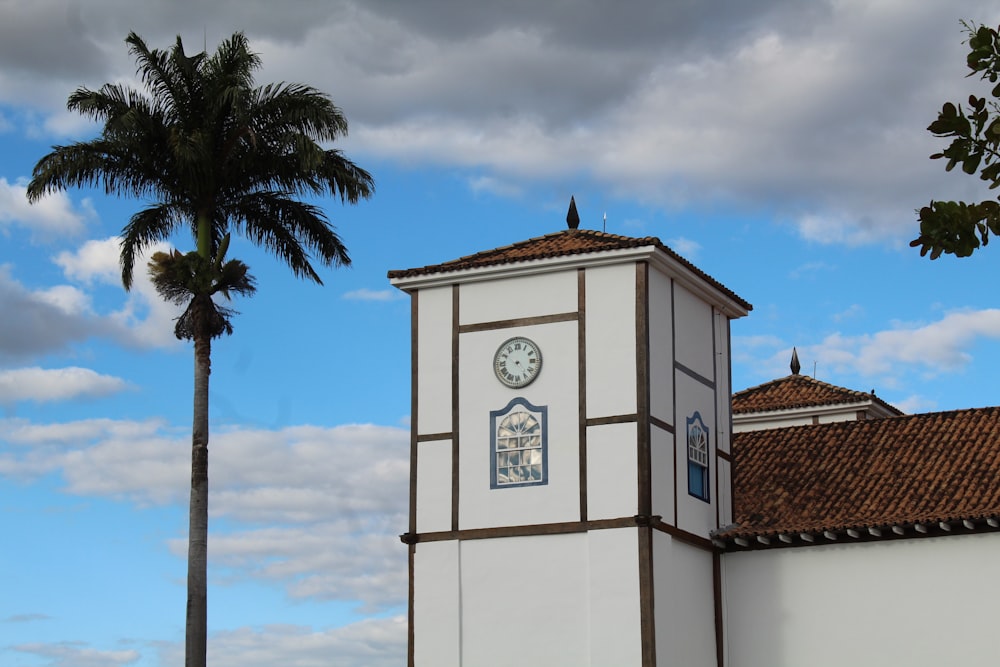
(519,453)
(697,454)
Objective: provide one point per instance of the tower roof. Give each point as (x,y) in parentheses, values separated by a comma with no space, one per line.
(800,391)
(566,243)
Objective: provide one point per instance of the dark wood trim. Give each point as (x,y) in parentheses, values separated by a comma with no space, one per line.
(614,419)
(519,322)
(411,551)
(660,424)
(694,375)
(430,437)
(455,471)
(724,455)
(581,342)
(562,528)
(673,380)
(682,535)
(414,404)
(732,468)
(717,596)
(647,622)
(714,315)
(645,481)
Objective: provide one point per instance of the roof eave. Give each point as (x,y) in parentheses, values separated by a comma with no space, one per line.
(734,540)
(756,416)
(651,253)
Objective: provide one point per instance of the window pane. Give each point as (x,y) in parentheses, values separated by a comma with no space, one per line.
(518,447)
(698,480)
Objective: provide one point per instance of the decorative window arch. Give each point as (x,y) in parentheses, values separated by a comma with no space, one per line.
(519,445)
(697,456)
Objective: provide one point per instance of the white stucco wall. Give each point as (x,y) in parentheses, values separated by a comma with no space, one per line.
(434,360)
(612,477)
(524,602)
(513,298)
(614,614)
(684,607)
(537,601)
(723,383)
(664,476)
(920,603)
(611,341)
(693,329)
(433,486)
(661,359)
(437,605)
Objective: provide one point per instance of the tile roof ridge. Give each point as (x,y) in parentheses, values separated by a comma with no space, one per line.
(561,244)
(807,380)
(757,387)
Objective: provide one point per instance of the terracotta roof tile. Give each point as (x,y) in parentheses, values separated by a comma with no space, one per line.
(900,470)
(560,244)
(799,391)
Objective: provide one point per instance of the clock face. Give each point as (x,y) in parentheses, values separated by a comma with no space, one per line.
(517,362)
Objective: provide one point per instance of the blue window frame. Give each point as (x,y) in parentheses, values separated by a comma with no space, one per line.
(519,445)
(697,456)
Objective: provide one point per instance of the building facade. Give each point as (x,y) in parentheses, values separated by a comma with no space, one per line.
(573,499)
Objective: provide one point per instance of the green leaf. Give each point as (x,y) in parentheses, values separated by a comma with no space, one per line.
(971,163)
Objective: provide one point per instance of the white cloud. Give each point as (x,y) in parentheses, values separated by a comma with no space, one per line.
(845,229)
(26,618)
(887,358)
(52,215)
(373,642)
(365,294)
(57,384)
(937,347)
(66,124)
(145,319)
(494,186)
(809,270)
(316,510)
(914,404)
(46,321)
(76,654)
(68,299)
(685,247)
(52,319)
(797,108)
(95,259)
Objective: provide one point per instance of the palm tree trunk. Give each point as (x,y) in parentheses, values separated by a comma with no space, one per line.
(196,641)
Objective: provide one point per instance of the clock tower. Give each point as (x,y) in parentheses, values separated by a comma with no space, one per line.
(569,455)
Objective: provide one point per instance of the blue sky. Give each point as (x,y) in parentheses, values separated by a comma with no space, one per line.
(778,145)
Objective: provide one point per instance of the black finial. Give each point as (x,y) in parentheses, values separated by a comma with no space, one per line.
(795,365)
(572,217)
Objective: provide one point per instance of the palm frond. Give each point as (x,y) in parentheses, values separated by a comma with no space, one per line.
(207,147)
(293,230)
(144,229)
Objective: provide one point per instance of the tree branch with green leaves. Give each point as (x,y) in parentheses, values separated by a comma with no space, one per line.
(960,228)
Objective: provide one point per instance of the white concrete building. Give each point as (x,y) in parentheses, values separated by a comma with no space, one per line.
(573,496)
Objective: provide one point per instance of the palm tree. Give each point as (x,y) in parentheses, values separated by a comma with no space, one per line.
(214,154)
